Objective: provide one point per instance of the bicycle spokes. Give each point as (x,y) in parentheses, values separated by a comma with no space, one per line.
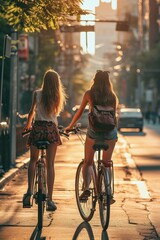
(87,206)
(104,199)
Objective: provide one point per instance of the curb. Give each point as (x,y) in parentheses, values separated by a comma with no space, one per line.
(20,163)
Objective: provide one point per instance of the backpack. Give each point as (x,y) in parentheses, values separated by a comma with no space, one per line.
(102,118)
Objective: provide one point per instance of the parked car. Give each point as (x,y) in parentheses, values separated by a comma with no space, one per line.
(130,118)
(84,118)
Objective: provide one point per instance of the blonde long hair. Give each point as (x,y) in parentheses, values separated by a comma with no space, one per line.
(101,91)
(53,94)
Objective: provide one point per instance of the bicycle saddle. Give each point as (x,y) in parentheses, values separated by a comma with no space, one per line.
(42,144)
(100,146)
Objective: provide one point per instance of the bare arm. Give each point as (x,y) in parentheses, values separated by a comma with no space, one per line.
(31,113)
(79,112)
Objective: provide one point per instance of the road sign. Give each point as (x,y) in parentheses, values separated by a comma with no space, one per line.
(77,28)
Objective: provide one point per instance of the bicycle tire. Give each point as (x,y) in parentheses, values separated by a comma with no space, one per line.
(41,196)
(87,208)
(40,209)
(104,198)
(112,179)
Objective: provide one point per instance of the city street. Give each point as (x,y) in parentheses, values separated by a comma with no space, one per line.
(61,58)
(134,215)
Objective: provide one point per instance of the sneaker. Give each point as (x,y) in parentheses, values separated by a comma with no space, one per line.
(27,200)
(51,206)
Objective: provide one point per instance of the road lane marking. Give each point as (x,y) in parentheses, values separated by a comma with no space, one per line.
(141,187)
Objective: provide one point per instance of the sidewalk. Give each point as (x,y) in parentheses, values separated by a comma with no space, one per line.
(154,126)
(20,162)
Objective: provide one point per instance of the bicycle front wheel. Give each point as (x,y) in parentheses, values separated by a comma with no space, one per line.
(104,198)
(86,208)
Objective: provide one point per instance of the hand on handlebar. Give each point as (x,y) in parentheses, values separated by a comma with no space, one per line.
(68,129)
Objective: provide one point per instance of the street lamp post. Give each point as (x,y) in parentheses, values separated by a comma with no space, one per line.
(139,87)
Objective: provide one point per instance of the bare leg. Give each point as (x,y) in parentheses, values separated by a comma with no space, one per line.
(34,153)
(107,155)
(88,162)
(50,156)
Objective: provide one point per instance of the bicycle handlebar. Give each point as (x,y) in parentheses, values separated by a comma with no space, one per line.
(25,133)
(61,132)
(75,130)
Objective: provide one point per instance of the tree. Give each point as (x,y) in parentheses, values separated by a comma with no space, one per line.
(35,15)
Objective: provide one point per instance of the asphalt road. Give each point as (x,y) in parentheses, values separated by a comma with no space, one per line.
(130,215)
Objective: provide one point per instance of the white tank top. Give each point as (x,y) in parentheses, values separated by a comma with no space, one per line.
(40,114)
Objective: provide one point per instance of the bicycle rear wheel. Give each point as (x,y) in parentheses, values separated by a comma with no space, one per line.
(104,198)
(86,208)
(41,196)
(40,209)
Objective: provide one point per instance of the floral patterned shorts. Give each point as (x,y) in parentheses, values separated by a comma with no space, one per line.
(43,130)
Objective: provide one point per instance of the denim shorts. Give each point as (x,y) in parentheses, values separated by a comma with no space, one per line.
(111,135)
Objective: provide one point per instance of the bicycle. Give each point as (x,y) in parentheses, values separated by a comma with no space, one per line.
(101,186)
(40,194)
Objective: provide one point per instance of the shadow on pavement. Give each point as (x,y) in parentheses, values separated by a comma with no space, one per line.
(36,235)
(85,229)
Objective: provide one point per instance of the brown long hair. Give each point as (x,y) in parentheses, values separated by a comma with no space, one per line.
(101,91)
(53,94)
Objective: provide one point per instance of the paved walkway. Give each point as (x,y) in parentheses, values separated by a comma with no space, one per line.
(130,217)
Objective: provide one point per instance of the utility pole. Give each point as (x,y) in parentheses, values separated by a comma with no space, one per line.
(6,53)
(13,98)
(120,26)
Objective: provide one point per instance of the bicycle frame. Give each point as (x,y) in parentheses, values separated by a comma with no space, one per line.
(41,165)
(40,189)
(108,167)
(101,187)
(39,185)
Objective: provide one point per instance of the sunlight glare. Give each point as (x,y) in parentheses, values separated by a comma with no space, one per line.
(90,36)
(90,4)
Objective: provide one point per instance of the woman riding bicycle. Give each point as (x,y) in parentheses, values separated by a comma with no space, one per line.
(47,103)
(100,93)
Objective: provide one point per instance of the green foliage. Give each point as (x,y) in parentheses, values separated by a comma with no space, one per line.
(35,15)
(48,51)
